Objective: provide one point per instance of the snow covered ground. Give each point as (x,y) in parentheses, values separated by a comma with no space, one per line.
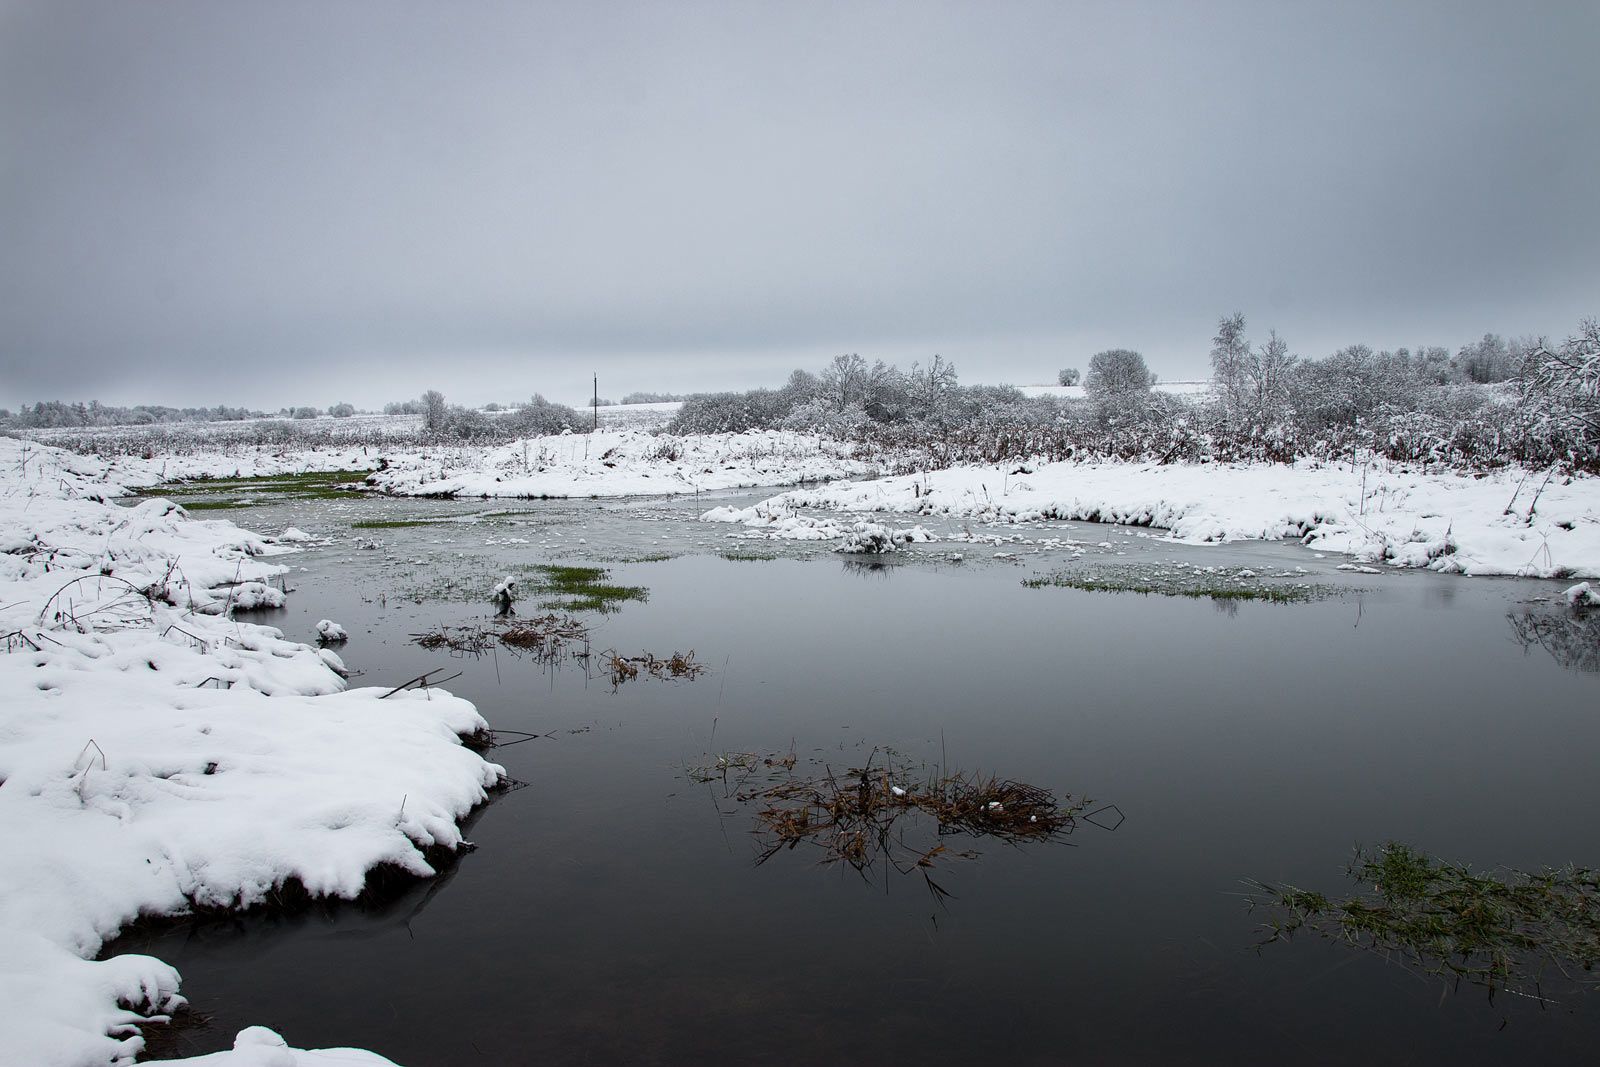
(159,753)
(621,463)
(1450,522)
(1075,392)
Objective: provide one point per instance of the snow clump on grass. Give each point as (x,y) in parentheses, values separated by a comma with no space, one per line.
(874,538)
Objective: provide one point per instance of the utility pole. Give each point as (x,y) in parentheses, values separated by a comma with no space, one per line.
(596,423)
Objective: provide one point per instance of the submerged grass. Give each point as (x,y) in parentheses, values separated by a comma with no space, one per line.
(264,483)
(308,485)
(571,587)
(1219,586)
(1506,930)
(394,524)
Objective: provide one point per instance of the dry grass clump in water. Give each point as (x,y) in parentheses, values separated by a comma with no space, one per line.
(882,816)
(626,668)
(1507,930)
(540,633)
(546,637)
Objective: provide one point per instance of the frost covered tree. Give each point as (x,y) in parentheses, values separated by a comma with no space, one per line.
(930,388)
(1117,372)
(1561,387)
(1230,351)
(1488,360)
(1067,376)
(1267,374)
(435,414)
(341,410)
(844,381)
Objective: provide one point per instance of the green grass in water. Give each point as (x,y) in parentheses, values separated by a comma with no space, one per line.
(571,587)
(1154,586)
(1504,930)
(392,524)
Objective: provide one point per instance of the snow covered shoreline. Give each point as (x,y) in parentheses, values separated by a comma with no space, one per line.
(158,754)
(1450,522)
(1506,522)
(604,464)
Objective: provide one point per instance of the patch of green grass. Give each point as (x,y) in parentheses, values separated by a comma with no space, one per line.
(218,505)
(1508,929)
(307,484)
(1199,588)
(579,588)
(391,524)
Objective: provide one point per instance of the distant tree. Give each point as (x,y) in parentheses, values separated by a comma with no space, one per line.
(1230,352)
(1488,360)
(929,389)
(844,381)
(491,406)
(306,413)
(1068,376)
(652,398)
(435,414)
(1117,372)
(1267,373)
(341,410)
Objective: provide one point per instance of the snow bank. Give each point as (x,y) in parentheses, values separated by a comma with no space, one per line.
(1449,522)
(157,754)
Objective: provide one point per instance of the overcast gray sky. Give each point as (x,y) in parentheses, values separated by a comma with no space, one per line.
(276,203)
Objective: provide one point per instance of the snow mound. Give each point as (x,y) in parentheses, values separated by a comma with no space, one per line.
(157,756)
(1583,595)
(331,632)
(874,538)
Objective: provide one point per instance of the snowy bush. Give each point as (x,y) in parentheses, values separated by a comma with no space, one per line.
(873,538)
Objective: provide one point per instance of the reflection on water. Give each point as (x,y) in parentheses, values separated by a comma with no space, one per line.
(1571,635)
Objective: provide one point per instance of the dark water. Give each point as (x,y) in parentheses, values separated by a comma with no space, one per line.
(614,912)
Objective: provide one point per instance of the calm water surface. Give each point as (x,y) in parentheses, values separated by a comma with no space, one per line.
(614,912)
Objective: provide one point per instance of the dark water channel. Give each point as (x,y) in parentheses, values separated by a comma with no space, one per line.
(614,912)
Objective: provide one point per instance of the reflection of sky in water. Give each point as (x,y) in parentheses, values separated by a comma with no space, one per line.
(614,913)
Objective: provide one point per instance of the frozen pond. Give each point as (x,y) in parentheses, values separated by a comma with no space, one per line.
(614,910)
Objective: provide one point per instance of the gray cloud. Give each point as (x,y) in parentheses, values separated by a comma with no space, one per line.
(282,203)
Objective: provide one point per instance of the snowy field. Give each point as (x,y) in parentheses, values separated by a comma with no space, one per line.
(1506,523)
(161,753)
(1075,392)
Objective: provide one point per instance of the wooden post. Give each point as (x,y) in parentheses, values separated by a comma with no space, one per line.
(596,423)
